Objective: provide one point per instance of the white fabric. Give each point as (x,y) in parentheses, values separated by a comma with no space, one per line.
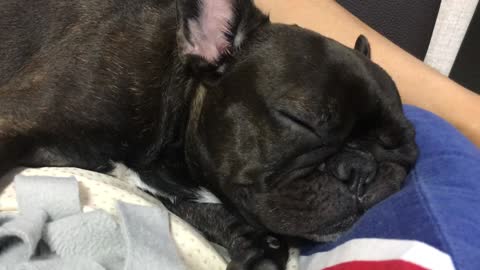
(100,191)
(375,249)
(452,23)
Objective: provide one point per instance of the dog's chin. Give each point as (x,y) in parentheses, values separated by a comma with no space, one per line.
(325,238)
(333,232)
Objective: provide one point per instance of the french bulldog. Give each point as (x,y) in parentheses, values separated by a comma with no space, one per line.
(254,132)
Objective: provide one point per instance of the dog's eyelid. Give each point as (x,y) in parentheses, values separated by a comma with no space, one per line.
(291,117)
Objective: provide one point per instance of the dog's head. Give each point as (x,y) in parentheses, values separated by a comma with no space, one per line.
(297,132)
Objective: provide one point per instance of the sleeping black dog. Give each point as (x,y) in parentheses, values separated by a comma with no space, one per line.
(251,131)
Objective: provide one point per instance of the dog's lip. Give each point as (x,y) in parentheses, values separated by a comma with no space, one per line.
(303,165)
(334,231)
(325,238)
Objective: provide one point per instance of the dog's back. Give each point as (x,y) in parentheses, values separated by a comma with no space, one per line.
(63,63)
(32,29)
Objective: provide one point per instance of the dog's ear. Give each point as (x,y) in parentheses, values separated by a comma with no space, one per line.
(363,46)
(209,31)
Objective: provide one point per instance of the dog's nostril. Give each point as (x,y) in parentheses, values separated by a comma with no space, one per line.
(322,167)
(344,172)
(358,187)
(353,145)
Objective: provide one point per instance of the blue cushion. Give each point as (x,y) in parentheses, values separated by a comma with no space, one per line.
(440,203)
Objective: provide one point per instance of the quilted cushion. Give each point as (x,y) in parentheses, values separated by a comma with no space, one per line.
(100,191)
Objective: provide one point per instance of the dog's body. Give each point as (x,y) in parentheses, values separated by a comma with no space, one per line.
(295,134)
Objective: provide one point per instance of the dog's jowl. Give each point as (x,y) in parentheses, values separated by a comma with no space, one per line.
(291,133)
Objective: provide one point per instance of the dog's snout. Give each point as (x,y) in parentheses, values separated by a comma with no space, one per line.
(354,168)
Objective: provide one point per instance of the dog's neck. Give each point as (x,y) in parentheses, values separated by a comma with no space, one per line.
(162,106)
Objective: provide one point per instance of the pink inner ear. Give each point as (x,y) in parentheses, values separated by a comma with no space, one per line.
(207,32)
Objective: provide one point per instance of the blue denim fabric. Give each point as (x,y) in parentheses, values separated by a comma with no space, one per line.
(440,203)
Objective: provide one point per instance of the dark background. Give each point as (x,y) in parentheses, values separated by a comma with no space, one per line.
(410,24)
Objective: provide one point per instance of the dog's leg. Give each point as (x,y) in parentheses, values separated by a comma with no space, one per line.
(68,157)
(12,150)
(249,248)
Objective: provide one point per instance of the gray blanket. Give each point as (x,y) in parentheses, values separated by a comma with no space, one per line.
(51,232)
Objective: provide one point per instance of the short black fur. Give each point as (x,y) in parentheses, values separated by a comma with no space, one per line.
(296,134)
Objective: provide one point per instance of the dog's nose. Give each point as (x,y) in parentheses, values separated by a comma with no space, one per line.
(322,167)
(355,168)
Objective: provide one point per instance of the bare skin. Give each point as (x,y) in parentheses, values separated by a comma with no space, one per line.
(419,84)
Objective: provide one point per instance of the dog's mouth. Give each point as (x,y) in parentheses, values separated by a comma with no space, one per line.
(332,232)
(317,208)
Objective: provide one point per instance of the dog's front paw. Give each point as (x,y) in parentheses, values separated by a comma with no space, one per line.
(263,253)
(253,259)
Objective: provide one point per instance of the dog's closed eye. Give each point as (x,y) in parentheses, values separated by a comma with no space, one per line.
(297,121)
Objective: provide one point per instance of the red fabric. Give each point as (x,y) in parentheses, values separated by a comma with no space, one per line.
(376,265)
